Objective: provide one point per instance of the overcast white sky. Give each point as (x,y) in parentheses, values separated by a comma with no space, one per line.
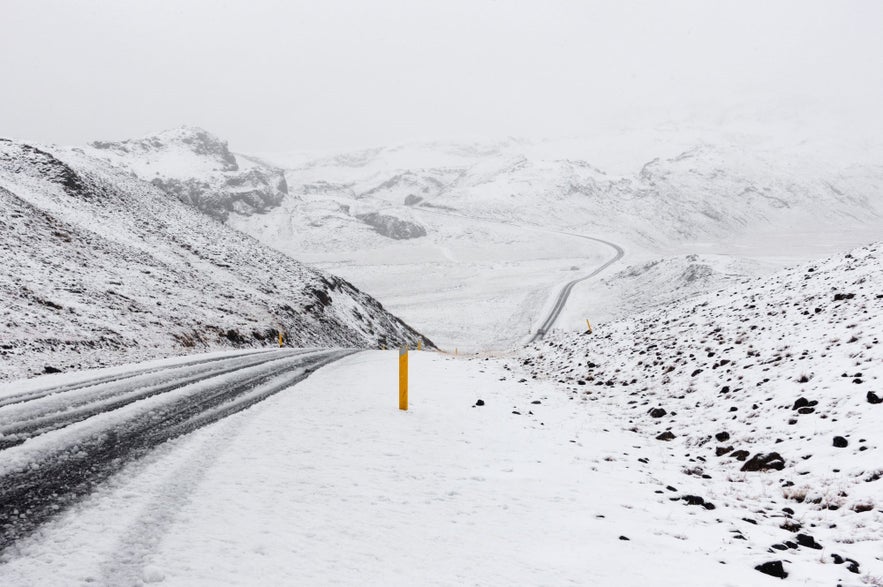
(291,74)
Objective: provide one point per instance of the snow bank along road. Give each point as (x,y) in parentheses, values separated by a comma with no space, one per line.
(79,432)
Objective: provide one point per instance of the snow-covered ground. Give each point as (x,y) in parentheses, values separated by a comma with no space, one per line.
(715,441)
(329,483)
(782,374)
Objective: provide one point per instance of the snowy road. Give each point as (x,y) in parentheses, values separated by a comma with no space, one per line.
(58,441)
(334,485)
(565,291)
(564,294)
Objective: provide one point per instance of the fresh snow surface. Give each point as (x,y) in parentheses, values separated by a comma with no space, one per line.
(790,364)
(329,483)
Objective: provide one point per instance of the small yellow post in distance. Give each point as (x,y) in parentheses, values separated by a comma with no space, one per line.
(419,345)
(280,338)
(403,378)
(589,325)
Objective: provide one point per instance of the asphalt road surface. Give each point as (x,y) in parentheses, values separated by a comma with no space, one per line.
(59,442)
(561,300)
(565,291)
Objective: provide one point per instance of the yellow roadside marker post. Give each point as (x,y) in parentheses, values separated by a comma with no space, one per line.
(403,378)
(419,345)
(280,338)
(589,325)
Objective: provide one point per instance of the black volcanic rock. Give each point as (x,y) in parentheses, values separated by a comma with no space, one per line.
(765,462)
(772,568)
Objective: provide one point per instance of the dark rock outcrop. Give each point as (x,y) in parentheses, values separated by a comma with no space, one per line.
(391,226)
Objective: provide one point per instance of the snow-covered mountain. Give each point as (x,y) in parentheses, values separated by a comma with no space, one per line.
(494,214)
(100,267)
(703,189)
(199,169)
(469,241)
(764,401)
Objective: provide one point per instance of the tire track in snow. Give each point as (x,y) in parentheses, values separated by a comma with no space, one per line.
(55,410)
(56,469)
(16,398)
(127,564)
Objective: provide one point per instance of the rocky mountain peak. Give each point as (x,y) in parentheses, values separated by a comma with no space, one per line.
(189,138)
(197,168)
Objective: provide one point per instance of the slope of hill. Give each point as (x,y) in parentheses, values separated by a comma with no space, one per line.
(660,282)
(762,404)
(100,267)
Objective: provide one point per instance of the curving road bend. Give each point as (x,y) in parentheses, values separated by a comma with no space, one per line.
(59,442)
(561,301)
(564,294)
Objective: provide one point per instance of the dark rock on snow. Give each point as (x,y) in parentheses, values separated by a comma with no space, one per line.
(808,541)
(765,462)
(772,568)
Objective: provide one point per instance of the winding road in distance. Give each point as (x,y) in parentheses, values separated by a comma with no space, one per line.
(564,294)
(565,291)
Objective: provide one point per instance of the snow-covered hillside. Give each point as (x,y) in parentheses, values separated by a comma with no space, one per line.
(765,405)
(100,267)
(662,281)
(198,169)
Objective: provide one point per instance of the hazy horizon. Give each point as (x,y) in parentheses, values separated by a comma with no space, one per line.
(271,76)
